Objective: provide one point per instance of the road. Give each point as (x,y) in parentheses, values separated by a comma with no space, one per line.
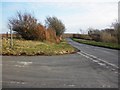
(109,55)
(64,71)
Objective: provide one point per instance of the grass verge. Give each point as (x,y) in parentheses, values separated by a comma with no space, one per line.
(28,47)
(100,44)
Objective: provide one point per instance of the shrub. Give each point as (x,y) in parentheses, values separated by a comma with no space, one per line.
(94,34)
(24,24)
(40,33)
(116,26)
(107,37)
(82,36)
(27,27)
(56,25)
(51,36)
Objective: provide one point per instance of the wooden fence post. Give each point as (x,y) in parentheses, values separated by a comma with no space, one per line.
(11,38)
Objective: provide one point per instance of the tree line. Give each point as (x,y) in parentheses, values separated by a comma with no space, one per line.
(111,35)
(28,27)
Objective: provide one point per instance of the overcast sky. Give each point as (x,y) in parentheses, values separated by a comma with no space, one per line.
(75,14)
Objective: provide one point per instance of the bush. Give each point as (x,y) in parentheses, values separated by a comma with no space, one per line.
(56,25)
(94,34)
(27,27)
(51,36)
(40,33)
(107,37)
(24,24)
(82,36)
(116,26)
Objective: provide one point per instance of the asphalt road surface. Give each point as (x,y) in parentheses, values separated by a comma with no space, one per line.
(65,71)
(109,55)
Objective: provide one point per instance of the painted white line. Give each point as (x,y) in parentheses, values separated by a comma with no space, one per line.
(95,61)
(71,85)
(84,55)
(101,60)
(19,66)
(92,57)
(14,82)
(108,63)
(88,54)
(102,64)
(116,72)
(24,63)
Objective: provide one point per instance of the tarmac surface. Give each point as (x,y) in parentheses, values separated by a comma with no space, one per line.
(64,71)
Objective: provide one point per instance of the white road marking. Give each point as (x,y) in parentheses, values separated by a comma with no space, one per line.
(92,57)
(25,63)
(95,61)
(102,64)
(116,72)
(19,66)
(22,64)
(14,82)
(71,85)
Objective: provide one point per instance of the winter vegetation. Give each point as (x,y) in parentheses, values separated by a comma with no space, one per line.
(31,48)
(26,25)
(109,37)
(33,38)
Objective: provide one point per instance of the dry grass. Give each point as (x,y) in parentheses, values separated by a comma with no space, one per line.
(28,47)
(100,44)
(107,37)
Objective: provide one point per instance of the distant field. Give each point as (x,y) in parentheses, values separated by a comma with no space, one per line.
(100,44)
(28,47)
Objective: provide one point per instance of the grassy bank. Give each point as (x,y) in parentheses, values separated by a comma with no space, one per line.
(25,47)
(100,44)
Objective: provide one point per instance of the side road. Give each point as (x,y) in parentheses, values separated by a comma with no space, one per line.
(65,71)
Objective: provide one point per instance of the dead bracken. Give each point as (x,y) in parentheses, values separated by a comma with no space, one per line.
(32,48)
